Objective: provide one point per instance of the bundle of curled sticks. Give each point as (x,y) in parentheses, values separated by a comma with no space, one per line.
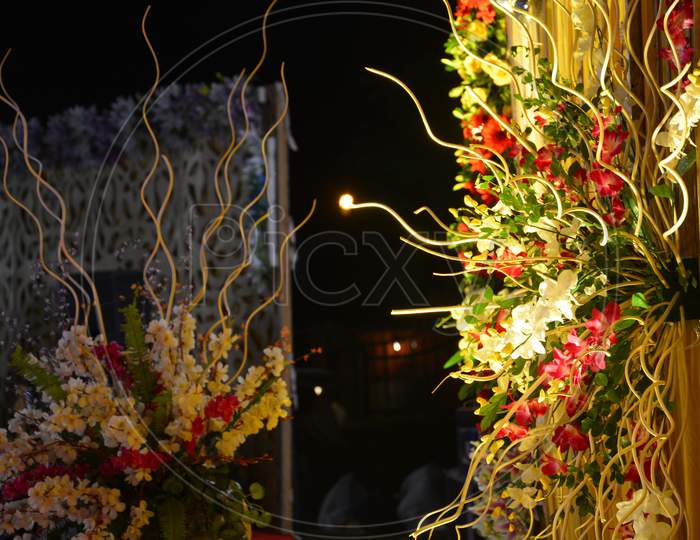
(574,238)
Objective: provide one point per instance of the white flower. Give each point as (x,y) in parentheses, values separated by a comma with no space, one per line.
(558,293)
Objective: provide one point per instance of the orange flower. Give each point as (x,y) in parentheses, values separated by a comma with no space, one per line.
(495,137)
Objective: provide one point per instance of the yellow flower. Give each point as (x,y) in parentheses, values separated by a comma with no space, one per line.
(467,100)
(499,75)
(478,30)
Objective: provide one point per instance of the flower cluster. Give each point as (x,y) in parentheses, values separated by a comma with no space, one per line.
(562,267)
(112,426)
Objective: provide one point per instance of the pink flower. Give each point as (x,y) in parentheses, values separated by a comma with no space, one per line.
(570,436)
(560,367)
(600,323)
(552,466)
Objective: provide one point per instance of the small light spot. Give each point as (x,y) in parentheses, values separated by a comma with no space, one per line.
(396,346)
(346,201)
(318,390)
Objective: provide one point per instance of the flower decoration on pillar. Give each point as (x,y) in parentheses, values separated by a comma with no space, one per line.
(574,290)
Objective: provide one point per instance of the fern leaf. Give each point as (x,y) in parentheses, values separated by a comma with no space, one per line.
(145,380)
(36,375)
(171,518)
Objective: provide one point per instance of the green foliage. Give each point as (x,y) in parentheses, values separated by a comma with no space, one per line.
(662,190)
(171,518)
(138,364)
(36,375)
(455,359)
(491,410)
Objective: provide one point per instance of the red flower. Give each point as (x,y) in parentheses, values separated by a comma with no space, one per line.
(538,408)
(512,431)
(484,10)
(486,196)
(112,359)
(552,466)
(473,126)
(599,323)
(606,182)
(495,137)
(617,214)
(575,403)
(612,142)
(560,367)
(543,161)
(476,164)
(512,270)
(570,436)
(679,21)
(221,407)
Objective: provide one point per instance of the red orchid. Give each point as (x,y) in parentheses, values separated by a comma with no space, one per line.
(612,142)
(528,412)
(495,137)
(606,182)
(538,408)
(617,214)
(575,403)
(560,367)
(680,20)
(545,155)
(552,466)
(632,474)
(570,436)
(512,270)
(512,431)
(600,322)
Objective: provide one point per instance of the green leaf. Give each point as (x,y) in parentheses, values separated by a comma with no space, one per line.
(133,329)
(161,414)
(491,409)
(488,293)
(638,300)
(138,364)
(257,491)
(662,190)
(478,309)
(36,375)
(171,518)
(601,379)
(455,359)
(464,392)
(687,161)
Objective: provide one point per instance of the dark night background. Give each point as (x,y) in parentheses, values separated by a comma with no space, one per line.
(356,132)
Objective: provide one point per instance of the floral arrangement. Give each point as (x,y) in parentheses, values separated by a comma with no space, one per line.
(571,323)
(129,442)
(142,439)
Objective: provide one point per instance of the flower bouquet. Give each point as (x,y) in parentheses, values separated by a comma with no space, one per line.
(574,289)
(137,441)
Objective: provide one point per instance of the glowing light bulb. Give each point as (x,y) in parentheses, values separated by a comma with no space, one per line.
(397,346)
(318,390)
(346,201)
